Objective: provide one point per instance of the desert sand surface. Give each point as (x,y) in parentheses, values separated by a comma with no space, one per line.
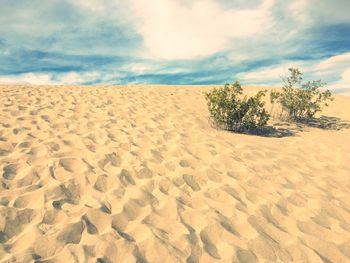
(137,174)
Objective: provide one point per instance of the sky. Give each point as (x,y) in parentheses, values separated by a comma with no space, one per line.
(174,41)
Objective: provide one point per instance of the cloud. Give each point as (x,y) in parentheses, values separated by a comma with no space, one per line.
(28,78)
(269,75)
(328,12)
(343,85)
(173,41)
(334,70)
(177,30)
(78,78)
(337,67)
(297,9)
(69,78)
(339,61)
(67,26)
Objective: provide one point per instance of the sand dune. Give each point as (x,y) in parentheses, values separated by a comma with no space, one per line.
(137,174)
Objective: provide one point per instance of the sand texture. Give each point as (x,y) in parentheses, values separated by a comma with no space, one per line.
(137,174)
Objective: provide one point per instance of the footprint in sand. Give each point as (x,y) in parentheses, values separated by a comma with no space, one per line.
(24,145)
(165,185)
(126,178)
(157,156)
(91,229)
(184,163)
(111,158)
(124,235)
(145,172)
(262,248)
(28,180)
(45,117)
(5,148)
(10,171)
(15,222)
(54,147)
(131,209)
(72,233)
(246,256)
(70,192)
(21,202)
(191,181)
(4,201)
(214,175)
(73,165)
(208,245)
(105,182)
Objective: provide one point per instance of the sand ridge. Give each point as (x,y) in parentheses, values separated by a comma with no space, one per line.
(137,174)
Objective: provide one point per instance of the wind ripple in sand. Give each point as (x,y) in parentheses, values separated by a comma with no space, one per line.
(136,174)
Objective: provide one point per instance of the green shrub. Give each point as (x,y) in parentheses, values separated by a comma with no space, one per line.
(301,103)
(230,111)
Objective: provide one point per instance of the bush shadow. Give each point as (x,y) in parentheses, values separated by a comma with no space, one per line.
(288,129)
(267,131)
(326,123)
(272,131)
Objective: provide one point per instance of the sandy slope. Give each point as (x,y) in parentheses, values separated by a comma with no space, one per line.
(126,174)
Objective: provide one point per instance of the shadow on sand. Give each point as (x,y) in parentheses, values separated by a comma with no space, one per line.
(267,131)
(286,129)
(327,123)
(272,131)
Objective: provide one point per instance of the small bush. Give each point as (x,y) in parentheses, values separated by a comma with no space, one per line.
(229,111)
(301,103)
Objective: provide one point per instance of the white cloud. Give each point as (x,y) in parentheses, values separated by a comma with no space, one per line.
(174,30)
(332,12)
(137,68)
(339,61)
(141,68)
(342,85)
(28,78)
(334,70)
(78,78)
(95,6)
(269,75)
(5,52)
(298,10)
(70,78)
(101,7)
(337,69)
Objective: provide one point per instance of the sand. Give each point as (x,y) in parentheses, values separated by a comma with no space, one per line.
(137,174)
